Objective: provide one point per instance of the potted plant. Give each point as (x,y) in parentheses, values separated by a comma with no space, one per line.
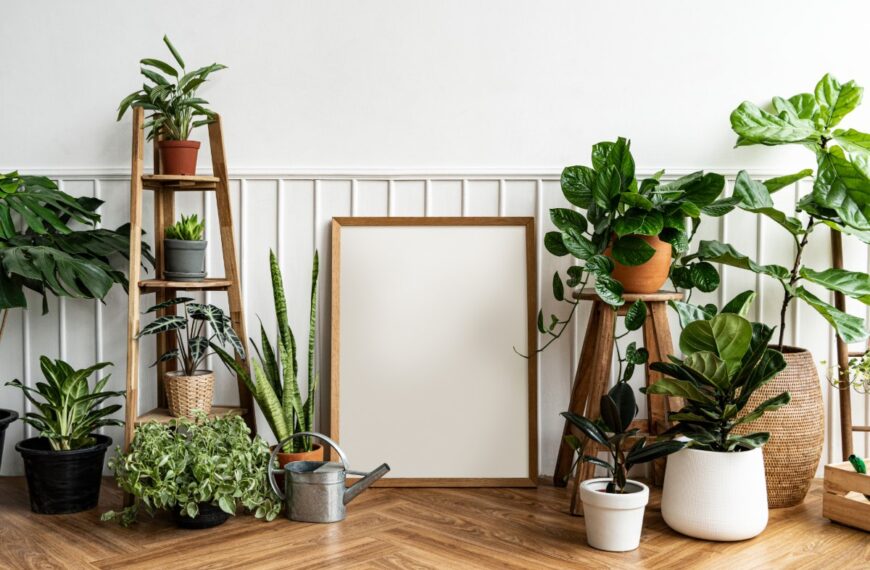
(275,382)
(201,328)
(613,506)
(184,247)
(64,465)
(202,471)
(171,97)
(715,488)
(838,201)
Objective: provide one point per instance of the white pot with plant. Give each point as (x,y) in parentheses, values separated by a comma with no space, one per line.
(184,250)
(613,507)
(715,488)
(175,109)
(201,329)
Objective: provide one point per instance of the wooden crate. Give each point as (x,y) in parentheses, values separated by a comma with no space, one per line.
(844,501)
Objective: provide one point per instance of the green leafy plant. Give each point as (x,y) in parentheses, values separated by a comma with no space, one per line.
(67,410)
(188,228)
(200,328)
(857,374)
(175,108)
(726,359)
(840,198)
(40,250)
(613,431)
(275,383)
(182,464)
(689,312)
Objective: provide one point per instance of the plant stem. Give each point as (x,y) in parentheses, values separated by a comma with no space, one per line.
(794,276)
(3,322)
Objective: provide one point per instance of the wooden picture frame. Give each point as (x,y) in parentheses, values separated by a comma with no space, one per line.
(509,473)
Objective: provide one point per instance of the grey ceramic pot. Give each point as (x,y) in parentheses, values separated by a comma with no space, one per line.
(184,260)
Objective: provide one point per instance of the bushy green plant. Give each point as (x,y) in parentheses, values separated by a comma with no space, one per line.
(175,108)
(611,431)
(188,228)
(200,328)
(275,383)
(726,359)
(840,198)
(67,410)
(184,463)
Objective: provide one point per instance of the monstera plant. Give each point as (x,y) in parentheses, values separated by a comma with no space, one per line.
(43,249)
(840,198)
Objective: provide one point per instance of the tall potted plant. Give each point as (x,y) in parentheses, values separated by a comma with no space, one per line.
(715,488)
(64,465)
(184,245)
(839,200)
(275,382)
(171,97)
(201,328)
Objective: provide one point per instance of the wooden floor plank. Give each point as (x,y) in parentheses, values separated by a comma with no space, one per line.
(408,529)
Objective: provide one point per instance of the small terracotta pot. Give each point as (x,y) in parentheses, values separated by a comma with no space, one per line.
(647,277)
(316,454)
(178,157)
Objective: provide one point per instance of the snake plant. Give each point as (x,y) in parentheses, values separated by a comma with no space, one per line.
(275,382)
(68,412)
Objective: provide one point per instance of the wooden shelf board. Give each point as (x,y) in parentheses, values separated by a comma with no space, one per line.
(178,182)
(208,284)
(161,415)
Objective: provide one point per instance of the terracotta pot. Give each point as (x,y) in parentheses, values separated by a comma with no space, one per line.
(316,454)
(796,429)
(647,277)
(185,394)
(178,157)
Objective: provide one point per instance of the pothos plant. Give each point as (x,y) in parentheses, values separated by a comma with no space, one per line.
(183,464)
(840,198)
(201,328)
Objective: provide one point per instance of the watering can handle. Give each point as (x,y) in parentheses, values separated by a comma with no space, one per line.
(313,434)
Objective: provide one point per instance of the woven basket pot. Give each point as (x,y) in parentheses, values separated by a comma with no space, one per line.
(185,394)
(796,430)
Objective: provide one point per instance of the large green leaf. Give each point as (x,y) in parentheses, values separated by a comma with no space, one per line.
(755,197)
(836,100)
(608,186)
(757,126)
(710,366)
(635,316)
(577,184)
(726,335)
(704,190)
(653,451)
(616,155)
(704,277)
(769,405)
(588,428)
(780,182)
(609,290)
(843,188)
(852,140)
(855,284)
(632,250)
(679,388)
(639,221)
(554,244)
(578,245)
(688,312)
(718,252)
(565,219)
(849,328)
(740,304)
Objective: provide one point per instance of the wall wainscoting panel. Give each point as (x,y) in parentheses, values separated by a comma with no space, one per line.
(289,212)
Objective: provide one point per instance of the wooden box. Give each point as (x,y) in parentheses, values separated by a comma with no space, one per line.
(844,501)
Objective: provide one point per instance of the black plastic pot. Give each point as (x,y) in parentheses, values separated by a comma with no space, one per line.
(6,418)
(61,482)
(209,516)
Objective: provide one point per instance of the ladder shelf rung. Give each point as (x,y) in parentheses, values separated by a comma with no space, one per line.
(179,183)
(161,415)
(208,284)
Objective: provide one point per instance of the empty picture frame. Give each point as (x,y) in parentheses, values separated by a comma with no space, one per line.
(426,313)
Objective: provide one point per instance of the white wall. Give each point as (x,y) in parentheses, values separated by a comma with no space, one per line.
(411,108)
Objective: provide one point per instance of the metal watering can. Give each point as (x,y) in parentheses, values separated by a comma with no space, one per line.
(314,491)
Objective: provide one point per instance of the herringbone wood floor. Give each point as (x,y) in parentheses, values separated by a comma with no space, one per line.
(412,528)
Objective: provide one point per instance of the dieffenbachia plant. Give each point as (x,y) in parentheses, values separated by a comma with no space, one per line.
(840,198)
(275,383)
(617,210)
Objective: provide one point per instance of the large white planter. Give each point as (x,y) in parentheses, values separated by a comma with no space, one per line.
(613,520)
(715,495)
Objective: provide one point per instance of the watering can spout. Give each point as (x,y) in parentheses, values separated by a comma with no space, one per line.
(351,492)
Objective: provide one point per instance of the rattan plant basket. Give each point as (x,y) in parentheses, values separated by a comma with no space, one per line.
(184,394)
(796,430)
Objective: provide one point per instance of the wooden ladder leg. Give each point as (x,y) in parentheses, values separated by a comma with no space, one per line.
(228,247)
(844,389)
(598,380)
(657,340)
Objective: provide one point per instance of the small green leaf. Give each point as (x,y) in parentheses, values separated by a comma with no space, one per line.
(566,220)
(609,290)
(632,250)
(553,243)
(558,288)
(704,277)
(635,316)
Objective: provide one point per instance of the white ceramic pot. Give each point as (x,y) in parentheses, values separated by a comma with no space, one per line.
(613,520)
(715,495)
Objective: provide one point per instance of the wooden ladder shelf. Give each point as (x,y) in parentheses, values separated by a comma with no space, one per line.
(165,186)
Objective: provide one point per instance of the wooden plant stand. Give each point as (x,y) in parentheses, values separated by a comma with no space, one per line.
(164,187)
(844,501)
(593,378)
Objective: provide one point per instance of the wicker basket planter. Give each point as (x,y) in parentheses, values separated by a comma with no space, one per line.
(185,394)
(796,430)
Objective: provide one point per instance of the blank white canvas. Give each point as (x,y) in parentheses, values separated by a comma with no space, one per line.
(429,382)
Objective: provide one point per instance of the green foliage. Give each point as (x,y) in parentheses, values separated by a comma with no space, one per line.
(611,430)
(840,198)
(185,463)
(67,410)
(40,250)
(726,359)
(171,97)
(188,228)
(202,327)
(857,374)
(275,383)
